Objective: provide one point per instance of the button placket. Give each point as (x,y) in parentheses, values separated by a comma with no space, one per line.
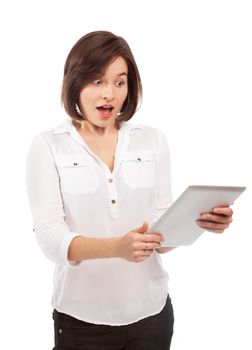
(112,195)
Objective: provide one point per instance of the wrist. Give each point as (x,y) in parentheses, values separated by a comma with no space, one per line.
(116,243)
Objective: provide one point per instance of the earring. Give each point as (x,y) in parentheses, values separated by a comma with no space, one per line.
(77,109)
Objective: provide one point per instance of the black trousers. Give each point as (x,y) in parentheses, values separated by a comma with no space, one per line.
(151,333)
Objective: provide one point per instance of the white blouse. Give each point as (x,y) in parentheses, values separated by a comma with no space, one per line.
(72,192)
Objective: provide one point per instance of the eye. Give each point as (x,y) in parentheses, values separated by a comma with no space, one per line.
(97,81)
(120,83)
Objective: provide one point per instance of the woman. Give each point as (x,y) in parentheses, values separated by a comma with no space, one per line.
(96,183)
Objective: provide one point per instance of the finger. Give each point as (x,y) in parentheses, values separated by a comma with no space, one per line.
(142,252)
(217,218)
(143,245)
(152,237)
(154,245)
(143,228)
(224,210)
(211,225)
(221,210)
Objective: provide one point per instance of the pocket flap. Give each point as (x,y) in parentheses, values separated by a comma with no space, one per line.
(71,161)
(139,156)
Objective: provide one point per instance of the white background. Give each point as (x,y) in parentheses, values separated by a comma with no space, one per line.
(195,61)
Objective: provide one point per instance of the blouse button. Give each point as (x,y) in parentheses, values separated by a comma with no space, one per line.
(113,201)
(110,180)
(75,164)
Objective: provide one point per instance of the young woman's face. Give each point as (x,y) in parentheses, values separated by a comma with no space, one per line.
(101,100)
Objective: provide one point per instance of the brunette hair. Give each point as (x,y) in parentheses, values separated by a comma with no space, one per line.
(88,59)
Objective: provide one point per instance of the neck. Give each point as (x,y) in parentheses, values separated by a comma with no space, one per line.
(94,130)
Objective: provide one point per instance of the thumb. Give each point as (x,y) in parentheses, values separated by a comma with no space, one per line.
(143,228)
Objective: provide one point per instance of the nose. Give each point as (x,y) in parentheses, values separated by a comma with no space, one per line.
(107,92)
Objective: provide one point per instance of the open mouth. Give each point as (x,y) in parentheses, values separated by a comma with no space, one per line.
(105,111)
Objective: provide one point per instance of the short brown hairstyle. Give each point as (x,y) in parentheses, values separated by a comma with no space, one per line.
(88,59)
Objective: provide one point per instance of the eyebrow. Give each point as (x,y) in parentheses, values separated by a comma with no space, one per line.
(123,73)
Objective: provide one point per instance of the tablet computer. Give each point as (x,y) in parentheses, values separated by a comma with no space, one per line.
(178,223)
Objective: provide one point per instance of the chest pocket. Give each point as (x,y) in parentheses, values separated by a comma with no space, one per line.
(138,169)
(76,174)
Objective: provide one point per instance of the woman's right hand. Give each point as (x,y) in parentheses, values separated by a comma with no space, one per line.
(137,246)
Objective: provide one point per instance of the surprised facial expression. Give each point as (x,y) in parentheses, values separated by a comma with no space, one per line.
(102,99)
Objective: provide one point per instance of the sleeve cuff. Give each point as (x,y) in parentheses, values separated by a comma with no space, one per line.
(64,250)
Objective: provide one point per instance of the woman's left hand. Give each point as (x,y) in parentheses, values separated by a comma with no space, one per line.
(216,220)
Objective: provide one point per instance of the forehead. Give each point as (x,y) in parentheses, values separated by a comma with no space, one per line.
(117,67)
